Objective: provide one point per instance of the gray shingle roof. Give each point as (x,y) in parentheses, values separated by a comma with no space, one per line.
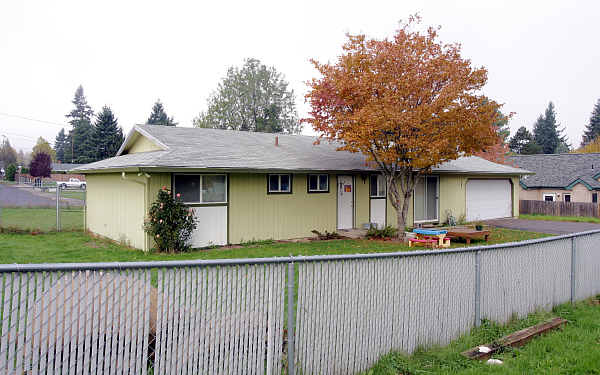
(236,150)
(559,170)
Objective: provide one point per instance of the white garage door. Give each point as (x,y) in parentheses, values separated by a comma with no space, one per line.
(488,199)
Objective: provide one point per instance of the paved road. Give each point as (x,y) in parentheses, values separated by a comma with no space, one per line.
(11,196)
(543,226)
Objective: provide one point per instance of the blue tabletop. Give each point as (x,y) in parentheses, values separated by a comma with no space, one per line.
(430,231)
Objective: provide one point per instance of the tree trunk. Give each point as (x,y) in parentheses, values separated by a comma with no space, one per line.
(401,199)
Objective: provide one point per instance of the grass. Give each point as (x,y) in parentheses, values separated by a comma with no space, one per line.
(75,194)
(41,219)
(560,218)
(575,349)
(81,247)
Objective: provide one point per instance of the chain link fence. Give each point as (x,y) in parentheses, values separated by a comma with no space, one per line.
(295,315)
(31,206)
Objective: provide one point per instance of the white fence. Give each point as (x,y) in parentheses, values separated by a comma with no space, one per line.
(330,314)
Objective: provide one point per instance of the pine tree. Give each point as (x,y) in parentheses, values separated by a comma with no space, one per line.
(522,143)
(548,135)
(108,135)
(59,145)
(159,116)
(592,129)
(80,147)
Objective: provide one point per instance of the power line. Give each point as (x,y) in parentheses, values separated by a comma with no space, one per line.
(36,120)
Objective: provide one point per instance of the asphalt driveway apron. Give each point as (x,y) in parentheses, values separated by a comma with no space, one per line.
(11,196)
(543,226)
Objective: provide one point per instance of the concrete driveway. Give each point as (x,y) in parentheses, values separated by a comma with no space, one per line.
(543,226)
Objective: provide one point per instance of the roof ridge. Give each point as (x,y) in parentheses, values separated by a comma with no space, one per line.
(231,130)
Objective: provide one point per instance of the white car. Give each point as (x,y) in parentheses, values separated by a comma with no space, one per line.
(73,183)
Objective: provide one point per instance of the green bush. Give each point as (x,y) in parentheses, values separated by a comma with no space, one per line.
(10,172)
(170,222)
(387,232)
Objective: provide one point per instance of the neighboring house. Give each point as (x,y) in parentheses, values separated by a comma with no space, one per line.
(560,177)
(253,186)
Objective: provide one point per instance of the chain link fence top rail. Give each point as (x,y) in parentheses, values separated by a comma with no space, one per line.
(342,312)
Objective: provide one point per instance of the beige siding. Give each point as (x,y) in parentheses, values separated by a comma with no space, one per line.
(453,197)
(579,193)
(141,144)
(254,214)
(115,208)
(361,200)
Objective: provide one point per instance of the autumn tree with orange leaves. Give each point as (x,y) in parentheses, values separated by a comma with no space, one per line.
(408,103)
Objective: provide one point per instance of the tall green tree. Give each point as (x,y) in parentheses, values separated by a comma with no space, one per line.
(80,147)
(7,153)
(252,98)
(522,143)
(592,129)
(43,145)
(108,135)
(60,143)
(548,135)
(159,116)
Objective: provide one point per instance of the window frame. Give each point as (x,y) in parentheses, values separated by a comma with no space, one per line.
(318,190)
(384,186)
(549,195)
(595,195)
(269,191)
(437,199)
(200,175)
(565,197)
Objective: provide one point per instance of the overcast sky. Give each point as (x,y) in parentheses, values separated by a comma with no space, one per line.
(127,54)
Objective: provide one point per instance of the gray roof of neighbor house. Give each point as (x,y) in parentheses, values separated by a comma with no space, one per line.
(215,149)
(560,170)
(64,167)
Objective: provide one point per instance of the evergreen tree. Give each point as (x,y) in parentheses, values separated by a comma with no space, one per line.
(7,153)
(159,116)
(108,135)
(522,143)
(59,145)
(592,129)
(547,134)
(79,146)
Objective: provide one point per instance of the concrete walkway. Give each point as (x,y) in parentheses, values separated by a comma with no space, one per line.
(543,226)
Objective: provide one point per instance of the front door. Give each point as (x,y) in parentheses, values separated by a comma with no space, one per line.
(345,202)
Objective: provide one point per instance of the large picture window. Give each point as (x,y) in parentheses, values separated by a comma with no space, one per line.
(279,183)
(203,188)
(318,183)
(377,186)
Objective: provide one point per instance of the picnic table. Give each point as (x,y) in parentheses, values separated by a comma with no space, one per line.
(468,233)
(432,237)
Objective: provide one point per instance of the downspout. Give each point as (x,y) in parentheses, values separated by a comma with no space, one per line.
(144,182)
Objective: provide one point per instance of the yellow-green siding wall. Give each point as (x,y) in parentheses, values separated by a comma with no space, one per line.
(254,214)
(115,208)
(142,144)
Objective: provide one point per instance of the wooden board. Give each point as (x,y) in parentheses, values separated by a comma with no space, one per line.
(515,339)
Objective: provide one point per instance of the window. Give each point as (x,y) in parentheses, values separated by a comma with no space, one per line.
(567,197)
(279,183)
(549,197)
(377,186)
(318,183)
(207,188)
(594,197)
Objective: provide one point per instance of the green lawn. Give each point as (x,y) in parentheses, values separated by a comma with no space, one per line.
(574,349)
(560,218)
(80,247)
(75,194)
(41,219)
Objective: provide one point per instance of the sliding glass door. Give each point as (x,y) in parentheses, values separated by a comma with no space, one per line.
(426,196)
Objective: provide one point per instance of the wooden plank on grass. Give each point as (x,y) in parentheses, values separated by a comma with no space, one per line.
(515,339)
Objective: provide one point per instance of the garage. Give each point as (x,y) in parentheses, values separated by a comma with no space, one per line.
(488,199)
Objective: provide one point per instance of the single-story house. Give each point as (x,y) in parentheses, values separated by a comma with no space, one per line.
(559,177)
(253,186)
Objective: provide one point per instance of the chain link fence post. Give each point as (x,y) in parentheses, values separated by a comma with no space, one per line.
(478,288)
(290,317)
(573,275)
